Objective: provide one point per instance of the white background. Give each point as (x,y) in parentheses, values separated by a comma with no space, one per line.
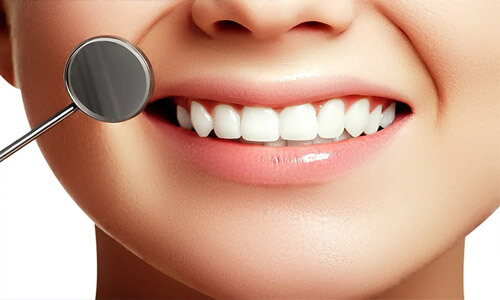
(47,244)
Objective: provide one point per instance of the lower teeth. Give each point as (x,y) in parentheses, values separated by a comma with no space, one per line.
(285,143)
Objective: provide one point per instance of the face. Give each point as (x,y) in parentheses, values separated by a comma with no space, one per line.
(343,218)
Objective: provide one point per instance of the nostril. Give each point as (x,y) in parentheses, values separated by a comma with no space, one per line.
(230,27)
(312,25)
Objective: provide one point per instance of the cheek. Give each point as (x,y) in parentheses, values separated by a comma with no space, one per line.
(458,42)
(106,168)
(79,150)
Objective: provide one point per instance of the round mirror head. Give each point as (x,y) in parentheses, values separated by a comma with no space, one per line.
(109,79)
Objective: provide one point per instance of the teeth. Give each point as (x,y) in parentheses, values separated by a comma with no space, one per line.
(298,123)
(226,122)
(294,126)
(356,117)
(388,115)
(242,140)
(298,143)
(260,124)
(374,120)
(183,118)
(331,119)
(344,136)
(278,143)
(320,140)
(201,119)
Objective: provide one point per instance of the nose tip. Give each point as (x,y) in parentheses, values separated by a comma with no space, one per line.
(265,19)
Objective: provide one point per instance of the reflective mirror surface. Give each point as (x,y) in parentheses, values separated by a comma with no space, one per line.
(109,79)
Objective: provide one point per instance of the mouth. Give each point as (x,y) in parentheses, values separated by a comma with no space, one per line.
(254,143)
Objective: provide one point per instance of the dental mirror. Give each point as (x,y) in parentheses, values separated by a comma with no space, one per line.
(107,78)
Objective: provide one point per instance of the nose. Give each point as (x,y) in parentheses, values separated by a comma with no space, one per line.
(267,19)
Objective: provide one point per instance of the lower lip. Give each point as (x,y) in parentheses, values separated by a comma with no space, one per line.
(265,165)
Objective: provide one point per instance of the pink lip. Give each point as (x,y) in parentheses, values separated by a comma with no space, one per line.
(277,93)
(265,165)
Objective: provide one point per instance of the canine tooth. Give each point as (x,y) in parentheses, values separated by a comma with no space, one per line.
(320,140)
(298,123)
(260,124)
(226,122)
(331,119)
(356,117)
(201,119)
(388,115)
(183,118)
(344,136)
(298,143)
(374,120)
(278,143)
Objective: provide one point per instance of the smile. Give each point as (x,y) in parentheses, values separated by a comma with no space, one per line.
(305,124)
(271,145)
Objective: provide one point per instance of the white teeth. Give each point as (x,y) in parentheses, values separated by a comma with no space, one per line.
(226,122)
(356,117)
(344,136)
(294,126)
(201,119)
(298,123)
(320,140)
(374,120)
(331,119)
(278,143)
(242,140)
(183,118)
(388,115)
(298,143)
(260,124)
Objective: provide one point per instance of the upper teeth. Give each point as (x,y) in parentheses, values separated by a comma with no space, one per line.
(259,124)
(388,115)
(331,119)
(299,124)
(184,118)
(202,121)
(227,122)
(356,118)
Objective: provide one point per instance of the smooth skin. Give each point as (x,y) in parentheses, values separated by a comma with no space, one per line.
(394,227)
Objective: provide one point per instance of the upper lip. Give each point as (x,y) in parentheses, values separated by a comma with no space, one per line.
(278,93)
